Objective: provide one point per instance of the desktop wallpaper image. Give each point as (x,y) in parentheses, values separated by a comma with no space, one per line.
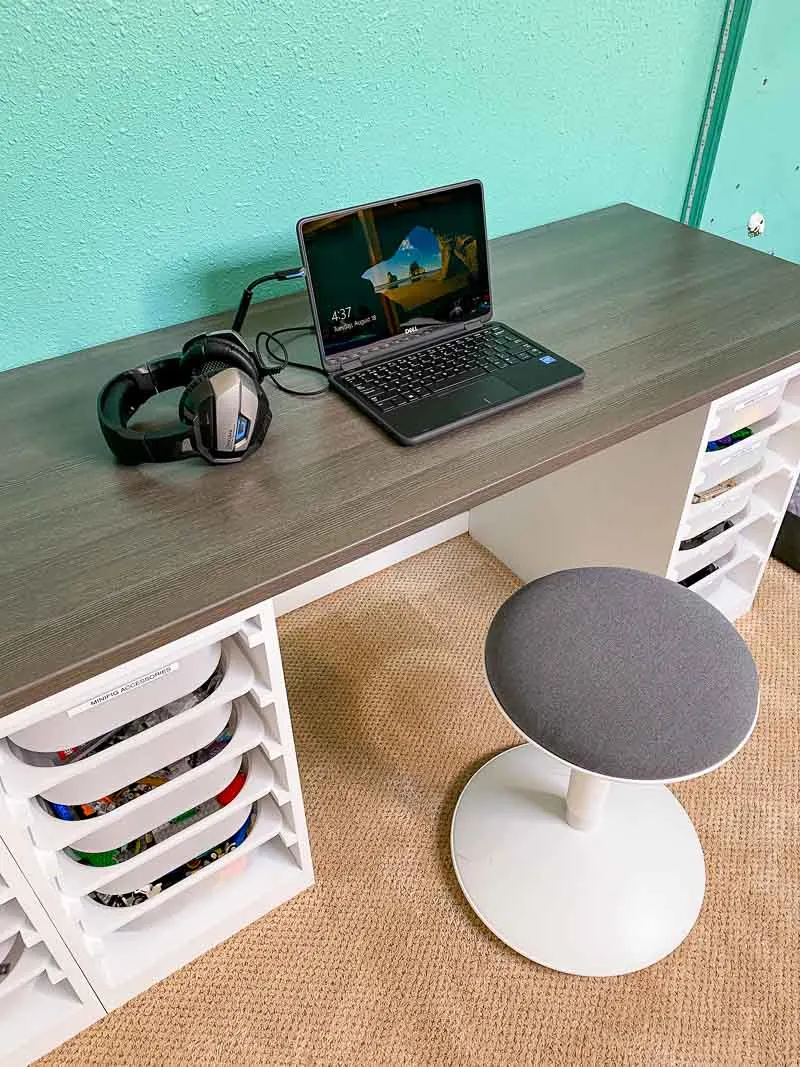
(383,271)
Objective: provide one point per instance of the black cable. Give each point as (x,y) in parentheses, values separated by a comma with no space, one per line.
(284,275)
(270,337)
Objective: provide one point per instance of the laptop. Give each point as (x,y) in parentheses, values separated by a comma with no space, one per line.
(402,309)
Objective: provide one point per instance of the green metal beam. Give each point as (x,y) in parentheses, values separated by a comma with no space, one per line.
(729,47)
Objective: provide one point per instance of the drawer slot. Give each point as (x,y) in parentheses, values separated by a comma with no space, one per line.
(183,850)
(749,406)
(113,764)
(689,561)
(33,962)
(77,879)
(13,921)
(135,818)
(110,708)
(730,462)
(130,766)
(99,920)
(706,514)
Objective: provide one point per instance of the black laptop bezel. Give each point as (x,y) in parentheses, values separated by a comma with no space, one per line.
(389,348)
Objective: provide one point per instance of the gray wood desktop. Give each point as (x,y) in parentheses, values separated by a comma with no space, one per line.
(101,563)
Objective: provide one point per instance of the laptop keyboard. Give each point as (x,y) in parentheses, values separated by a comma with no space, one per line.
(441,367)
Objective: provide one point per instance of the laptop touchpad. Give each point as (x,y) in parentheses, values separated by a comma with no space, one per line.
(435,411)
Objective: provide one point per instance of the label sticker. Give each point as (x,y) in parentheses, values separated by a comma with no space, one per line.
(95,702)
(758,397)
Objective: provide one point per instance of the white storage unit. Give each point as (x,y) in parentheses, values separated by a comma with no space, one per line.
(235,745)
(762,470)
(44,998)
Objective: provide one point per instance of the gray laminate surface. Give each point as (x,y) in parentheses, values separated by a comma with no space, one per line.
(101,563)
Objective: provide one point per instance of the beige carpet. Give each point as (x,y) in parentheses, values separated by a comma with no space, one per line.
(383,962)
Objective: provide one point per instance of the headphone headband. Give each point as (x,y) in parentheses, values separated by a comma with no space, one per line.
(124,395)
(224,345)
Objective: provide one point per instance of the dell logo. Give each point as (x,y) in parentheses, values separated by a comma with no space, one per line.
(410,329)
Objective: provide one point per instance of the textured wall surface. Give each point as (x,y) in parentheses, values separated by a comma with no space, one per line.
(758,163)
(154,154)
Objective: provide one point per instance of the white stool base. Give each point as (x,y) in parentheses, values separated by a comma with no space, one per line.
(604,902)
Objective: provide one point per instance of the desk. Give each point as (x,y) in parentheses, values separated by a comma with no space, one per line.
(111,575)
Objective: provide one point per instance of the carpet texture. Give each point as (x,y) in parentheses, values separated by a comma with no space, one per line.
(384,963)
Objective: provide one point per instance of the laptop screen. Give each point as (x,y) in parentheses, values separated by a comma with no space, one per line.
(405,266)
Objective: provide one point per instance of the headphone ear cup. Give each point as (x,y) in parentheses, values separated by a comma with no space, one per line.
(205,405)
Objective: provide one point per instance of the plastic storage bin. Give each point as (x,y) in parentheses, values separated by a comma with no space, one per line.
(184,850)
(140,815)
(111,708)
(21,778)
(77,879)
(131,764)
(694,559)
(702,516)
(730,462)
(743,409)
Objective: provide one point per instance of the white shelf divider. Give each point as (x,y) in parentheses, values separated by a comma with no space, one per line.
(13,920)
(34,961)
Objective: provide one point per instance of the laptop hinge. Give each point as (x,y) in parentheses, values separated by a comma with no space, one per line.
(351,363)
(342,364)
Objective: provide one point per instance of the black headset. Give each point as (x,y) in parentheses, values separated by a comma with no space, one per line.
(224,413)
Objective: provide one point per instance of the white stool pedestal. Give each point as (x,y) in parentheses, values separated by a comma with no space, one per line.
(605,901)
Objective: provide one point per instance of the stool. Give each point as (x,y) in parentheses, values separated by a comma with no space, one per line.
(630,681)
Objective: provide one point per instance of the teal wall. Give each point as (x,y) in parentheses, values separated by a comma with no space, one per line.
(155,153)
(758,163)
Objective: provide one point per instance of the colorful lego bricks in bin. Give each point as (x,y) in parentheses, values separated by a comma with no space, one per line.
(729,439)
(139,896)
(93,808)
(163,832)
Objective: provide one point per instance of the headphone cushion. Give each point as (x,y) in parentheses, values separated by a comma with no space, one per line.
(262,423)
(201,352)
(186,405)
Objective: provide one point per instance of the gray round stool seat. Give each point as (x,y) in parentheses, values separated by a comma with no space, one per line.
(622,673)
(571,848)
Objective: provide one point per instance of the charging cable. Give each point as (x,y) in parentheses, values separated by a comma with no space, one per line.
(281,359)
(267,341)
